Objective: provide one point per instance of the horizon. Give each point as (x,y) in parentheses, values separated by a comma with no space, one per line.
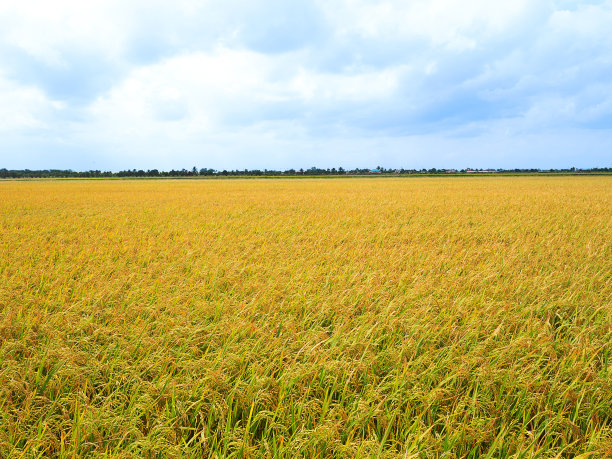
(115,86)
(312,171)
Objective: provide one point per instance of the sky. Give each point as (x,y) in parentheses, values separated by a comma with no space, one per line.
(279,84)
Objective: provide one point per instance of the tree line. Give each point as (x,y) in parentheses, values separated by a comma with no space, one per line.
(313,171)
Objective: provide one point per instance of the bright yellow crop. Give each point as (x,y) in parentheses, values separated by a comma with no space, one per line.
(320,317)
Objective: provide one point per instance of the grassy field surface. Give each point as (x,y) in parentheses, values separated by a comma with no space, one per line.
(431,317)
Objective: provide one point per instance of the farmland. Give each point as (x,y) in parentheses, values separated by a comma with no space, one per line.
(390,317)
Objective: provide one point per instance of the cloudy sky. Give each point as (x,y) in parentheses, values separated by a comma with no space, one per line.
(116,84)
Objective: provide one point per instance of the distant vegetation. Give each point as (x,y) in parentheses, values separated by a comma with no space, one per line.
(433,318)
(313,171)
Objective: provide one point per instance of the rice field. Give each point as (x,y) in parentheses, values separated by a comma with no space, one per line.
(373,317)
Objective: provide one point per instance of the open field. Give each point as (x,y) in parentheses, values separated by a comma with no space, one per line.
(334,318)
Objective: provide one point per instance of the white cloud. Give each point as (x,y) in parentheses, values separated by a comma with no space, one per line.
(208,91)
(42,29)
(454,25)
(23,108)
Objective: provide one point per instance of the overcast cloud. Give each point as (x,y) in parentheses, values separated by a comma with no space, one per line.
(277,84)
